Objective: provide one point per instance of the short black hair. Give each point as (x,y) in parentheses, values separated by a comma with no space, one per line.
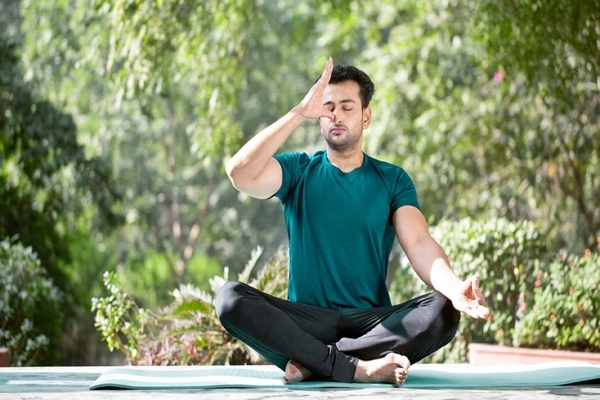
(342,73)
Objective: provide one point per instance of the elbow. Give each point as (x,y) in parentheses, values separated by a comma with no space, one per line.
(232,169)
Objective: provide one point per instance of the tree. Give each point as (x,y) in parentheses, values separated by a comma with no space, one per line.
(46,178)
(554,47)
(43,170)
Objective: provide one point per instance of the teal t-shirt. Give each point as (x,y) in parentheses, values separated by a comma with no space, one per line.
(340,228)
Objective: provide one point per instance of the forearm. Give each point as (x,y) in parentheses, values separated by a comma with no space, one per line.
(430,262)
(443,278)
(432,266)
(253,157)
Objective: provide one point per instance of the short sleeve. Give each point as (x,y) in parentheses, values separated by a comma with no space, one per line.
(405,193)
(292,166)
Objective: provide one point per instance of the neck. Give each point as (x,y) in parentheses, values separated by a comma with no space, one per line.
(346,161)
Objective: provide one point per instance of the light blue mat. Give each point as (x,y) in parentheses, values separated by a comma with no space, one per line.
(419,376)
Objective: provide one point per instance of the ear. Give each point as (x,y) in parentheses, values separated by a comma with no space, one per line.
(366,117)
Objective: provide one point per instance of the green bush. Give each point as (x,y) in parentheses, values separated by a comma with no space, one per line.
(186,332)
(565,313)
(30,308)
(503,254)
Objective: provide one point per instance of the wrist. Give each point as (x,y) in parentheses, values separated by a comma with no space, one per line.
(298,112)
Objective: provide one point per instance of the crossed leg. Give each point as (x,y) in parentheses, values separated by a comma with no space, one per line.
(387,340)
(372,345)
(281,330)
(415,329)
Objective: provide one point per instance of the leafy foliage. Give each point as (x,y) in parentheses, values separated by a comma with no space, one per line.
(118,319)
(548,42)
(30,307)
(504,255)
(52,192)
(188,330)
(551,51)
(565,308)
(154,45)
(44,172)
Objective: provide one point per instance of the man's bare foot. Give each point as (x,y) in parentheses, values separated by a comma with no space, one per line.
(393,368)
(294,372)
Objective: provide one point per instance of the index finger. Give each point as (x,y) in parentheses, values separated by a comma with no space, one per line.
(326,75)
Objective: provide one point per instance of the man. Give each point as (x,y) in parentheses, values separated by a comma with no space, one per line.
(343,210)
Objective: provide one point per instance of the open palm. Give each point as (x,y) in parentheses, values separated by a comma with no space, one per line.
(470,300)
(312,104)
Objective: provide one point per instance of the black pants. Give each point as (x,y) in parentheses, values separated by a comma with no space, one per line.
(329,341)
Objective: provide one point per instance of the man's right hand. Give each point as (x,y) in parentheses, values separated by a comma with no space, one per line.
(312,105)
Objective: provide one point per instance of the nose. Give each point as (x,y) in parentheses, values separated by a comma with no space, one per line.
(338,118)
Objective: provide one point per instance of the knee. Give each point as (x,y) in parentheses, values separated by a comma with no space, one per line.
(228,300)
(449,316)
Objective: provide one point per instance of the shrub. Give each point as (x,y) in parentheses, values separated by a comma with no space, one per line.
(30,310)
(503,254)
(566,305)
(187,332)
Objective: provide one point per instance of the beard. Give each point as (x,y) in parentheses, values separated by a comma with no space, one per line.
(343,143)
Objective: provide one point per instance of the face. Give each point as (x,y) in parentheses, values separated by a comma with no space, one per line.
(345,132)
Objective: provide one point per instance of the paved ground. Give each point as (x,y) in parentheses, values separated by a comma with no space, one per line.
(73,382)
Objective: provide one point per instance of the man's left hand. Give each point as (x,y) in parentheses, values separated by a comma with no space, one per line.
(469,299)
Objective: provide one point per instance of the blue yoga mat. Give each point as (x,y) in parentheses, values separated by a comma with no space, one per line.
(419,376)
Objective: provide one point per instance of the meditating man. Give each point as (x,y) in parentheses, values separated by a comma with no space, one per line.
(343,210)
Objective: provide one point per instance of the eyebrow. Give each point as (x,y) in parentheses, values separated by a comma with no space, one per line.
(341,102)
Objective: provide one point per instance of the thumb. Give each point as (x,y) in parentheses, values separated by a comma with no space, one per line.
(326,113)
(476,289)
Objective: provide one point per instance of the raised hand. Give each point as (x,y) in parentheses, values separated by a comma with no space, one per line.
(312,104)
(470,300)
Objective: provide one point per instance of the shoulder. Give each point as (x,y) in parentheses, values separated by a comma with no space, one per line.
(387,169)
(296,160)
(398,183)
(294,168)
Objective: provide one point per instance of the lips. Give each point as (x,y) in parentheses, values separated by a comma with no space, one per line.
(337,130)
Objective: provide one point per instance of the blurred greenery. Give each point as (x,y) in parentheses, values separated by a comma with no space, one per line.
(187,331)
(116,118)
(564,311)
